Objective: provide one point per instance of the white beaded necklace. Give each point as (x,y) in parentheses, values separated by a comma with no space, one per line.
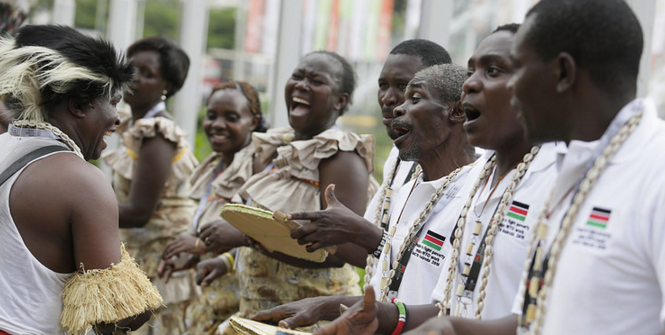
(387,277)
(47,126)
(497,218)
(536,313)
(381,214)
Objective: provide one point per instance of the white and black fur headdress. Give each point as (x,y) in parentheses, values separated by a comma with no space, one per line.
(45,64)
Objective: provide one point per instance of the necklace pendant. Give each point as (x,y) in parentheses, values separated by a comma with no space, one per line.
(534,286)
(384,283)
(467,269)
(542,231)
(469,249)
(477,228)
(538,260)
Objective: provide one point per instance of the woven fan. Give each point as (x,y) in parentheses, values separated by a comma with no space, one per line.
(251,327)
(272,230)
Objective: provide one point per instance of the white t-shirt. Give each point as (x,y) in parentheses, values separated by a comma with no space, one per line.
(610,275)
(433,246)
(403,171)
(512,239)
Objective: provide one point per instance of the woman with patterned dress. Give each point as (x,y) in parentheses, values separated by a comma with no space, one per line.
(296,164)
(233,112)
(150,173)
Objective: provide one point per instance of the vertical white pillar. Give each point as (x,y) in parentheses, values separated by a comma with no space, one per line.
(286,59)
(63,12)
(644,9)
(193,33)
(239,36)
(412,21)
(122,23)
(435,19)
(120,32)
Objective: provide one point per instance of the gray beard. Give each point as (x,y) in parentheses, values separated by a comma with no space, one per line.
(410,154)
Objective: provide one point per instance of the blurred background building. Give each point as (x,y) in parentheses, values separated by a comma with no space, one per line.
(260,41)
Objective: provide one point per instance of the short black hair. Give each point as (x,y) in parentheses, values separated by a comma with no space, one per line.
(173,61)
(429,52)
(348,80)
(511,27)
(96,55)
(603,36)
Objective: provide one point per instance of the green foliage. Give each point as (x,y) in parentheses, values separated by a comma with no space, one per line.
(86,13)
(399,17)
(201,146)
(221,28)
(162,18)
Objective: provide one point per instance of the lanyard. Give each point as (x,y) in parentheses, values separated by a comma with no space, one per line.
(474,273)
(401,266)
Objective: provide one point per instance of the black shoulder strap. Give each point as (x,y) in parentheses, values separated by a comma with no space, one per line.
(21,162)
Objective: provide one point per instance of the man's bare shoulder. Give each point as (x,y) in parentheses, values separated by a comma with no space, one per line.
(61,201)
(63,178)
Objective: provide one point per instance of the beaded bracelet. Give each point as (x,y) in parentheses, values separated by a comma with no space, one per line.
(229,261)
(379,249)
(401,322)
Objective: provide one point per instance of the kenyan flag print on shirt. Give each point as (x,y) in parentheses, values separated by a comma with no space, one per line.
(433,240)
(599,217)
(518,211)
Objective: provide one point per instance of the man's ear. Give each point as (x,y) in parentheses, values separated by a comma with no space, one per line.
(342,101)
(456,113)
(78,108)
(565,71)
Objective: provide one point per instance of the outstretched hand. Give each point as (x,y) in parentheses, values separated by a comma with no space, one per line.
(209,270)
(219,236)
(184,243)
(359,319)
(300,313)
(183,262)
(335,225)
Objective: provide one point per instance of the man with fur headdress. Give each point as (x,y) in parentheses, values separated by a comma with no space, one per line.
(62,267)
(11,18)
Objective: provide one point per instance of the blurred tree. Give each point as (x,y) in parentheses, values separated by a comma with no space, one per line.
(221,28)
(86,11)
(162,17)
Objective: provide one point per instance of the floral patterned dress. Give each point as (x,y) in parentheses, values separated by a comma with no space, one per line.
(220,300)
(293,185)
(171,218)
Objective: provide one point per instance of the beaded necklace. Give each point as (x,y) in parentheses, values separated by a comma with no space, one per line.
(538,283)
(465,297)
(389,274)
(381,216)
(49,127)
(482,210)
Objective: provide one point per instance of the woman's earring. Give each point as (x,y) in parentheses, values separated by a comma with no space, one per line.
(164,95)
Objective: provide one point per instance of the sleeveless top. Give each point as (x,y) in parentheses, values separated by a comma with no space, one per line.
(31,302)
